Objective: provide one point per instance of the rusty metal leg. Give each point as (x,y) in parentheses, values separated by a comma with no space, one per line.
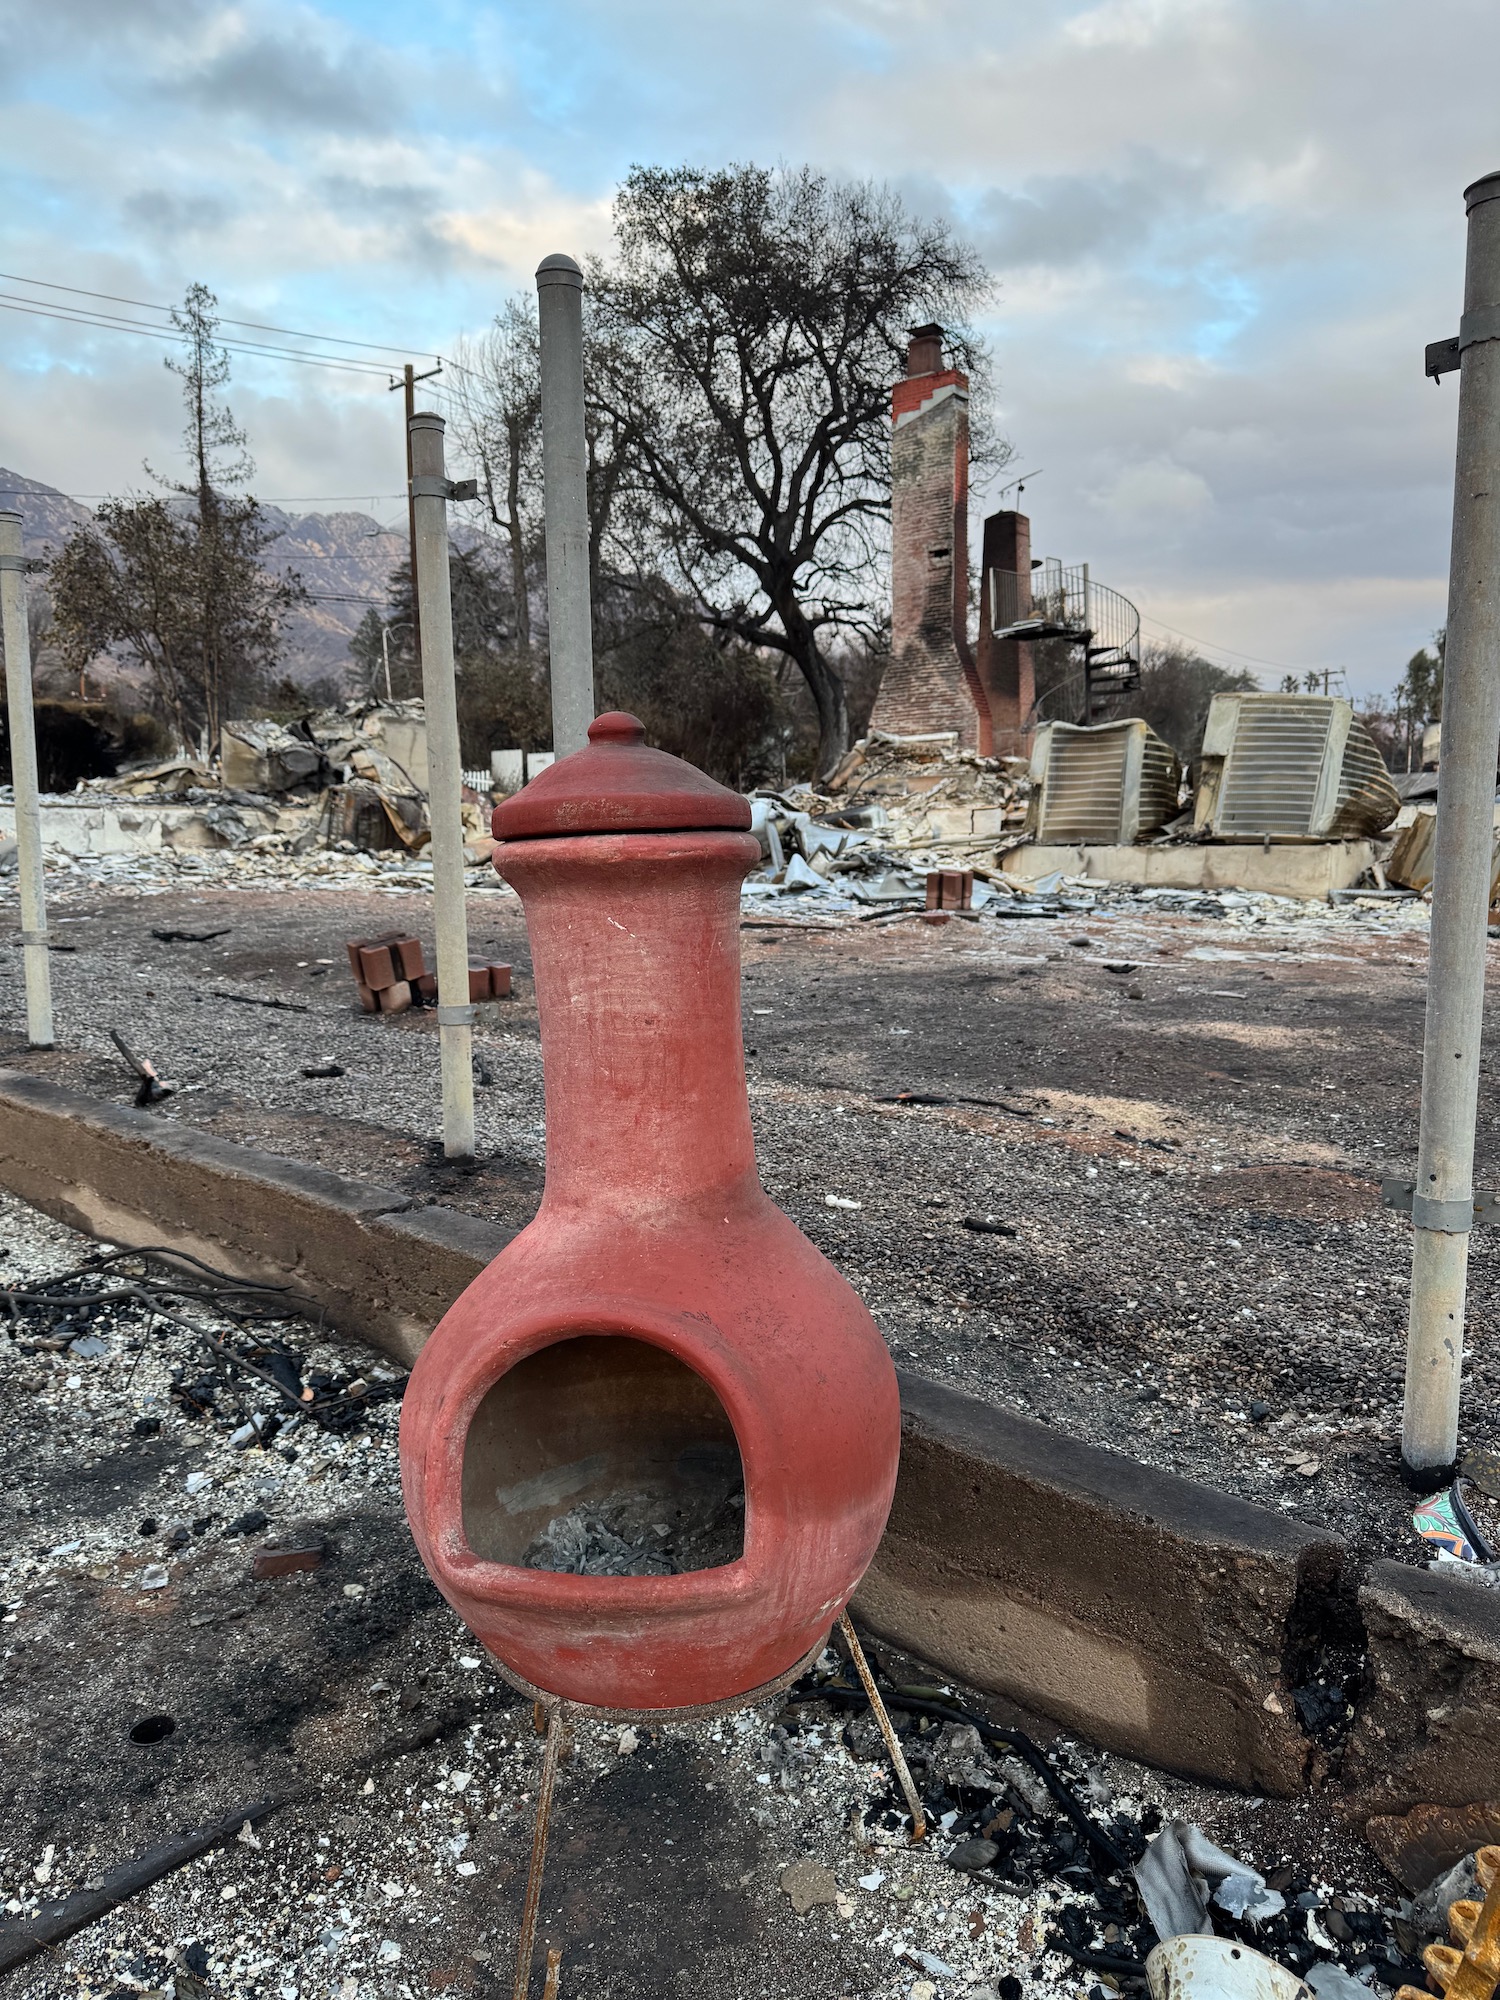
(554,1976)
(556,1728)
(892,1741)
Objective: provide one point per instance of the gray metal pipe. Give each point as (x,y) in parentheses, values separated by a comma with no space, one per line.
(1442,1210)
(429,493)
(559,291)
(22,728)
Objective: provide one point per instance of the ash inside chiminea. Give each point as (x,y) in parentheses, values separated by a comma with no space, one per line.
(602,1455)
(660,1532)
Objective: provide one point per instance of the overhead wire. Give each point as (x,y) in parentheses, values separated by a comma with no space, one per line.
(1279,666)
(116,323)
(255,326)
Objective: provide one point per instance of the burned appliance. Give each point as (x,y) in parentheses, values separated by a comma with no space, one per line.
(650,1451)
(1110,785)
(1290,767)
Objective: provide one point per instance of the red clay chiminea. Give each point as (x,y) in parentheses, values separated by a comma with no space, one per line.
(661,1351)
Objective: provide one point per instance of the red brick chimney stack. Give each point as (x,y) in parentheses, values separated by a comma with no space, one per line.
(931,683)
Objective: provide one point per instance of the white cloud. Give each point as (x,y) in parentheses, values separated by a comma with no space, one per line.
(1157,489)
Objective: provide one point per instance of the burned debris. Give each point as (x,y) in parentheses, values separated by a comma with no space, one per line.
(82,1307)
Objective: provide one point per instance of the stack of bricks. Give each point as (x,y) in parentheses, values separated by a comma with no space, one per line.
(950,889)
(391,975)
(489,982)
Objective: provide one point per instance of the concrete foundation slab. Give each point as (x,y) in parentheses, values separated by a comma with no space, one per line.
(135,826)
(1308,873)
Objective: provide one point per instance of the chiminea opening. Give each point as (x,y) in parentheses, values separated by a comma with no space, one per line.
(603,1456)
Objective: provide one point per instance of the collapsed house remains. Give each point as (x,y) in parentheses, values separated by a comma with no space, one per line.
(1277,770)
(984,693)
(354,776)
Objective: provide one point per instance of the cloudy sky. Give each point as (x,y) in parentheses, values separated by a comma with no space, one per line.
(1221,233)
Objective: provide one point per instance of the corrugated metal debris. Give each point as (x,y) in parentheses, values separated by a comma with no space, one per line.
(1112,785)
(1290,767)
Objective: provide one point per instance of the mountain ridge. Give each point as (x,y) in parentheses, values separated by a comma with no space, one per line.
(345,560)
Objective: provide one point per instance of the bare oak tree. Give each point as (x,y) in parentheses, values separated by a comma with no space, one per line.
(743,345)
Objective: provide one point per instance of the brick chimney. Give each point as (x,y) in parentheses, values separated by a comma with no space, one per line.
(924,351)
(1005,665)
(931,683)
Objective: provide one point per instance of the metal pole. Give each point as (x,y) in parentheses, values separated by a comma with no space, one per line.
(409,384)
(38,964)
(1443,1205)
(559,287)
(429,499)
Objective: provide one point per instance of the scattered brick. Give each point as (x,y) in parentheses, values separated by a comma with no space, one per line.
(277,1561)
(499,982)
(377,967)
(950,889)
(395,999)
(407,952)
(369,999)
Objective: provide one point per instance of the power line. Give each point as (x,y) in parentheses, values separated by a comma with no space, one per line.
(1213,646)
(117,323)
(267,499)
(255,326)
(114,324)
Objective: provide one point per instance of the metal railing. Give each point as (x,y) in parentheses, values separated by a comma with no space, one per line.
(1058,601)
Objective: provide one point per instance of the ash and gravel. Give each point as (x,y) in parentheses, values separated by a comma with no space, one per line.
(644,1533)
(397,1865)
(1198,1112)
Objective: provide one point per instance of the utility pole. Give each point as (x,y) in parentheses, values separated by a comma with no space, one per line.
(22,729)
(408,382)
(430,491)
(1442,1200)
(559,286)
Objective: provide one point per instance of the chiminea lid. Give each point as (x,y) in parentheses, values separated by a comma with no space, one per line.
(618,785)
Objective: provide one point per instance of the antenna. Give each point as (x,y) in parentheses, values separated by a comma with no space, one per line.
(1019,483)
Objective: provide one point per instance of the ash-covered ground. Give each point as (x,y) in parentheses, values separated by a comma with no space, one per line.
(149,1683)
(1184,1117)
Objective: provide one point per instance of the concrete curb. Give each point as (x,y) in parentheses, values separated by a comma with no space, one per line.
(376,1266)
(1428,1728)
(1161,1618)
(1149,1613)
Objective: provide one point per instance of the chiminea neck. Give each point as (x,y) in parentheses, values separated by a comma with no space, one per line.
(635,952)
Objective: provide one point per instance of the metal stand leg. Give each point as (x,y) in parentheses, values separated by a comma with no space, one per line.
(892,1741)
(532,1906)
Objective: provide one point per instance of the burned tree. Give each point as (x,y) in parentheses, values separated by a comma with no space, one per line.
(744,343)
(178,585)
(498,428)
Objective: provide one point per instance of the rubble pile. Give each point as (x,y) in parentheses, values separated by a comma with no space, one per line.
(352,779)
(896,809)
